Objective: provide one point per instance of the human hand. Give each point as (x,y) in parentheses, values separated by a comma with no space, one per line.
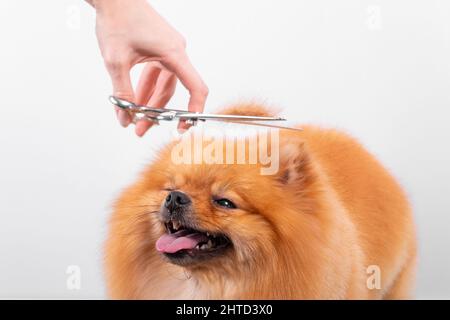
(131,32)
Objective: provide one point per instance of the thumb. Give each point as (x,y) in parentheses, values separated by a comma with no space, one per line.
(122,88)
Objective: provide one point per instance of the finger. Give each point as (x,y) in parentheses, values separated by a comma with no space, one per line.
(183,126)
(181,66)
(122,88)
(123,117)
(145,89)
(164,90)
(192,81)
(147,83)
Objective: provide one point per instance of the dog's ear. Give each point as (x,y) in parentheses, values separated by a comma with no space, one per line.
(295,164)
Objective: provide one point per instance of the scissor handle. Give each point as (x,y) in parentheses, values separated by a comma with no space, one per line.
(130,106)
(121,103)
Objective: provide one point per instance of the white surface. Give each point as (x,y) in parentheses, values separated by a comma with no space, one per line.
(64,157)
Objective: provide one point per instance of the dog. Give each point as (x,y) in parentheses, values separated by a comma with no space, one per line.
(331,223)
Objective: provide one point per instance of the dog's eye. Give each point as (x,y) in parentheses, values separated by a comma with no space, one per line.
(225,203)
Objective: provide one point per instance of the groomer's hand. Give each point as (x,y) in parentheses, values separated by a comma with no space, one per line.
(131,32)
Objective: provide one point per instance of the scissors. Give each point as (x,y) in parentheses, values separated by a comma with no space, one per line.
(155,115)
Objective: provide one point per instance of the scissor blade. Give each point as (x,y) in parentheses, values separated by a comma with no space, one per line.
(225,117)
(253,123)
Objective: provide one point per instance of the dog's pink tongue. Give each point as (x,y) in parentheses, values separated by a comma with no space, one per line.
(174,242)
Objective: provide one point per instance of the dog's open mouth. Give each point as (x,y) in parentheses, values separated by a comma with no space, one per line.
(180,241)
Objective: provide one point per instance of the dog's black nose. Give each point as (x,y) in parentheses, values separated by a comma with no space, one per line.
(176,199)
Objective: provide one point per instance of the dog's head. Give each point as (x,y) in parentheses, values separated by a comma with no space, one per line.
(225,216)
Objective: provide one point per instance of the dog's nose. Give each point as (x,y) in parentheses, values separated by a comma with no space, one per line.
(176,199)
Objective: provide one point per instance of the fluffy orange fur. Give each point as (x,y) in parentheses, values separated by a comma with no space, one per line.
(311,231)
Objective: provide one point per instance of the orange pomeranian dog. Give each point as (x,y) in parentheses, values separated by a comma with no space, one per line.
(329,223)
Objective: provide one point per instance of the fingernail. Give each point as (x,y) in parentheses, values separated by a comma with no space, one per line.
(140,134)
(181,130)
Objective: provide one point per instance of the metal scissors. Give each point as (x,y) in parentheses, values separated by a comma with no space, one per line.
(139,112)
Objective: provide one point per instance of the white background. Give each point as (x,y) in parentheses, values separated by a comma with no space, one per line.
(378,69)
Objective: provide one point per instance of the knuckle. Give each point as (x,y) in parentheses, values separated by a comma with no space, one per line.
(176,49)
(114,65)
(178,41)
(203,91)
(114,62)
(176,53)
